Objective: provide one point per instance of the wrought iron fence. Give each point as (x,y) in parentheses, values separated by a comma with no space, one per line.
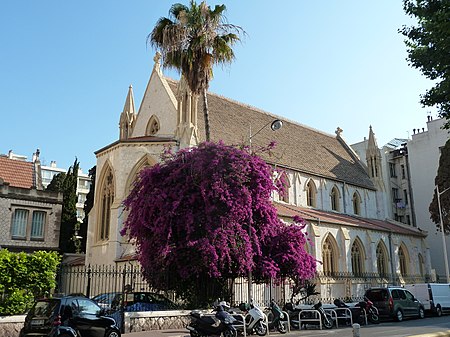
(94,280)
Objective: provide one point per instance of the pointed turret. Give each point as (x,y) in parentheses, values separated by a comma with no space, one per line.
(186,132)
(128,116)
(373,156)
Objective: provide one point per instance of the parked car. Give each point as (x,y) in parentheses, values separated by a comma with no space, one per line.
(395,302)
(135,301)
(69,316)
(434,296)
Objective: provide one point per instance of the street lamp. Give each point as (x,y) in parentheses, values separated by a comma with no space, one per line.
(447,273)
(274,125)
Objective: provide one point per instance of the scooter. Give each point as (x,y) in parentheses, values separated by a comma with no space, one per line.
(255,319)
(221,324)
(278,319)
(370,309)
(326,319)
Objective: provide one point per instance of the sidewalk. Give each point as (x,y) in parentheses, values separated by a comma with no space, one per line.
(159,333)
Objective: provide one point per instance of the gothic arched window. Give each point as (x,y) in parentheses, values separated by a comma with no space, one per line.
(402,258)
(152,126)
(284,195)
(356,203)
(382,261)
(311,194)
(106,200)
(334,196)
(329,255)
(357,258)
(421,265)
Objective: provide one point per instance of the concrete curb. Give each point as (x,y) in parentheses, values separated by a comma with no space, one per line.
(434,334)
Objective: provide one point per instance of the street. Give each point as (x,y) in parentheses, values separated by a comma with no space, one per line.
(384,329)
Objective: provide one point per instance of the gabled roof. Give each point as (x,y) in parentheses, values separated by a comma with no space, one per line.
(299,147)
(17,173)
(334,218)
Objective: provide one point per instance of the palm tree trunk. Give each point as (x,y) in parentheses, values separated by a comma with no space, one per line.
(206,115)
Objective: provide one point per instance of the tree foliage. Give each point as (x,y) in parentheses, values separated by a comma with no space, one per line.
(192,40)
(88,204)
(67,184)
(23,277)
(205,215)
(443,181)
(428,46)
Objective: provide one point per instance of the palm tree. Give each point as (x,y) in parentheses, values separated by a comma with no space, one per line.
(192,40)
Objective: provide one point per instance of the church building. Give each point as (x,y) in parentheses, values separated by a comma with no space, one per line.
(341,196)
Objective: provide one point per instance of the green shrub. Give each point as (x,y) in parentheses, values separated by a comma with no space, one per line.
(23,277)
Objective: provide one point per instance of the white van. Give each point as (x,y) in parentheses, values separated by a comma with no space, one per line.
(435,297)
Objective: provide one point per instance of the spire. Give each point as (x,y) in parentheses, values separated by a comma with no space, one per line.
(372,143)
(128,116)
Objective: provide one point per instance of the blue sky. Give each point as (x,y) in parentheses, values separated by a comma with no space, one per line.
(65,68)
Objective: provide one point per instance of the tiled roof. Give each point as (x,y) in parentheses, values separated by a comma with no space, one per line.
(299,147)
(16,172)
(310,214)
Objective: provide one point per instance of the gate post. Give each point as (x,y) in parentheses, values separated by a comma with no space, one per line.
(88,287)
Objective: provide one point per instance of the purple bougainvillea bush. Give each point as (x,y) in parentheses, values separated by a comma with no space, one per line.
(206,213)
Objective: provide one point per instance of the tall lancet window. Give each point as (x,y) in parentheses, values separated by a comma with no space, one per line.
(402,258)
(106,200)
(334,196)
(311,194)
(357,258)
(382,260)
(356,203)
(329,255)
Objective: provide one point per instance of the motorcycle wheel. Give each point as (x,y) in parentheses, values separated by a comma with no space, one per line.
(261,328)
(327,323)
(282,327)
(230,333)
(374,318)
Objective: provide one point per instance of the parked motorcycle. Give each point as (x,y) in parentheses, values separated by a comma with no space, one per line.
(278,319)
(356,312)
(371,310)
(221,324)
(255,319)
(295,312)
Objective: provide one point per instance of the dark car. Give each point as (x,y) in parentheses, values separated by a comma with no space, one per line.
(68,316)
(395,302)
(135,301)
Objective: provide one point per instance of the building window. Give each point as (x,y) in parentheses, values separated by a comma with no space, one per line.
(106,200)
(357,258)
(402,261)
(334,199)
(284,194)
(152,126)
(392,170)
(19,224)
(405,194)
(328,257)
(356,203)
(311,194)
(37,225)
(395,198)
(421,264)
(381,260)
(403,172)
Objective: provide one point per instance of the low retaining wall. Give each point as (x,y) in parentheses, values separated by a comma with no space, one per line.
(156,320)
(10,325)
(134,322)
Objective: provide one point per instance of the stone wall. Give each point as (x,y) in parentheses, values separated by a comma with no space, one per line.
(10,325)
(134,322)
(145,321)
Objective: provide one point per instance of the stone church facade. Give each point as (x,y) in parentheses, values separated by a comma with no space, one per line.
(341,197)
